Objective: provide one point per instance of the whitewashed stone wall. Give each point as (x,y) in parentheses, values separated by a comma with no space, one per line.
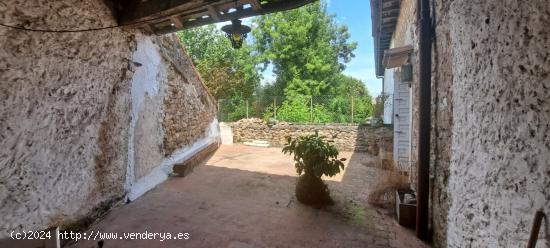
(173,115)
(500,149)
(490,115)
(64,104)
(442,122)
(81,124)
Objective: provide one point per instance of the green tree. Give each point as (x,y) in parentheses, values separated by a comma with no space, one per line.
(308,51)
(306,47)
(227,72)
(350,93)
(298,109)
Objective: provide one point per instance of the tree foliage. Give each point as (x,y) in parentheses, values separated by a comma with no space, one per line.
(350,93)
(308,51)
(299,109)
(306,47)
(227,72)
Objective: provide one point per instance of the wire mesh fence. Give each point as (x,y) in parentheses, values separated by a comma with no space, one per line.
(298,109)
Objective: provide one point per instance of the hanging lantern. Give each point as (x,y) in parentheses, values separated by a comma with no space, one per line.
(236,33)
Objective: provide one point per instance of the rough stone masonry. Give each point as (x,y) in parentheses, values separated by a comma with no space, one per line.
(492,85)
(87,117)
(363,138)
(490,149)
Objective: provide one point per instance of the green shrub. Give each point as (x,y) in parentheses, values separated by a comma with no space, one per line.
(297,109)
(294,110)
(314,158)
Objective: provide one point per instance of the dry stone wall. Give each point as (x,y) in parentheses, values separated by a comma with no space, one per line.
(190,108)
(345,137)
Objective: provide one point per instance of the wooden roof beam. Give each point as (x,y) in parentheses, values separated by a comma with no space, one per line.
(177,22)
(214,13)
(390,4)
(195,18)
(157,8)
(256,5)
(158,11)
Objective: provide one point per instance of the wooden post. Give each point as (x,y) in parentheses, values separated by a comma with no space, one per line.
(246,108)
(311,109)
(219,112)
(275,107)
(352,108)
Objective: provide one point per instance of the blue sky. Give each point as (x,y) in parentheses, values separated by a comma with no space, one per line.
(356,15)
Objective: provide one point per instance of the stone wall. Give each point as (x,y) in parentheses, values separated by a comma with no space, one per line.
(406,34)
(442,121)
(344,137)
(494,72)
(172,106)
(173,113)
(490,115)
(64,104)
(83,115)
(148,94)
(188,103)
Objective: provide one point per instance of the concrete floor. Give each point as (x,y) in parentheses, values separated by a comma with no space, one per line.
(244,197)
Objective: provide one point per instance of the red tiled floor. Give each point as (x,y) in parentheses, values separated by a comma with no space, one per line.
(244,197)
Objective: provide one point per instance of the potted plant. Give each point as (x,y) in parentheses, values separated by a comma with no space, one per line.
(314,158)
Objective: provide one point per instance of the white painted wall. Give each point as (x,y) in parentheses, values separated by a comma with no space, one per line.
(147,164)
(144,83)
(161,172)
(226,134)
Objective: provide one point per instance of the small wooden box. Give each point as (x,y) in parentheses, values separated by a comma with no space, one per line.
(406,213)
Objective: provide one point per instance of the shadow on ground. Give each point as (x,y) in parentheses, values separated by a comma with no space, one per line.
(244,197)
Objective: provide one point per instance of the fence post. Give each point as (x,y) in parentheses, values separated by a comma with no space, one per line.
(352,109)
(311,109)
(219,111)
(275,107)
(246,108)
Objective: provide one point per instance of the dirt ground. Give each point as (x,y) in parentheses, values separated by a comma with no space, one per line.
(244,197)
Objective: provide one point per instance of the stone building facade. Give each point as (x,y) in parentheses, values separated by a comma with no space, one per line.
(489,166)
(406,100)
(499,172)
(89,119)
